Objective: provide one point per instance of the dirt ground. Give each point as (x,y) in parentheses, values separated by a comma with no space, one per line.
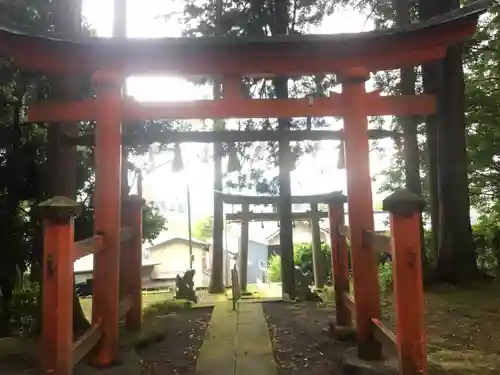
(179,338)
(463,329)
(18,364)
(299,333)
(168,345)
(463,333)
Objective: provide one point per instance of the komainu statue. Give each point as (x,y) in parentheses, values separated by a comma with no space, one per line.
(184,286)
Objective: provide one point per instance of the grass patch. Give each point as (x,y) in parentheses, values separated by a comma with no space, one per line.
(153,325)
(272,290)
(463,329)
(154,307)
(326,294)
(148,299)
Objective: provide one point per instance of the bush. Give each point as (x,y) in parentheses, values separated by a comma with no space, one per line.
(25,311)
(274,269)
(385,276)
(302,257)
(486,237)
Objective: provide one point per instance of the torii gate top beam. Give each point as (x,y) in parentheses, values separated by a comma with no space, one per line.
(244,56)
(335,196)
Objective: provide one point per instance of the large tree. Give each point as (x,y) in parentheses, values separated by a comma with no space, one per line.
(456,261)
(435,147)
(66,17)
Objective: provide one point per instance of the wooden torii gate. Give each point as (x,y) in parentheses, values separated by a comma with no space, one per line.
(350,56)
(246,216)
(313,216)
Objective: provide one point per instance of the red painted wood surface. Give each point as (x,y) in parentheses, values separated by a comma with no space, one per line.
(306,55)
(385,336)
(107,213)
(360,208)
(87,342)
(265,65)
(57,324)
(87,246)
(340,266)
(408,293)
(336,105)
(131,262)
(232,87)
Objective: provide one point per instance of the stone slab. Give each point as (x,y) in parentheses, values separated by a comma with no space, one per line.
(237,343)
(262,364)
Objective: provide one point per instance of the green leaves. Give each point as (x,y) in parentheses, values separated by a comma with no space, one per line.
(258,19)
(153,223)
(203,228)
(483,115)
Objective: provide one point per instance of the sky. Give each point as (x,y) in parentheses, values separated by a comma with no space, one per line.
(316,174)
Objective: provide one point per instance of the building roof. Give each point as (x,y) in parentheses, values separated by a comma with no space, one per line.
(86,264)
(199,243)
(380,218)
(277,232)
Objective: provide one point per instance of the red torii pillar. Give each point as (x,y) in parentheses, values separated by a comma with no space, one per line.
(360,210)
(107,211)
(340,261)
(406,210)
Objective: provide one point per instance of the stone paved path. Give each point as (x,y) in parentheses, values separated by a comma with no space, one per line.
(237,342)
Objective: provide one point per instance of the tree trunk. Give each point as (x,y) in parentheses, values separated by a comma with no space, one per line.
(7,290)
(431,73)
(120,31)
(409,125)
(285,205)
(456,260)
(63,157)
(279,26)
(217,276)
(432,162)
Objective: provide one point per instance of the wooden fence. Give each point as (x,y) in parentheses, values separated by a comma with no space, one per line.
(404,246)
(59,351)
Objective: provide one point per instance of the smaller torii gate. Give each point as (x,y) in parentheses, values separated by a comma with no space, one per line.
(246,216)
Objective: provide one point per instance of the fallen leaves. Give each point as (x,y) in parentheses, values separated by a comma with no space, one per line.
(299,343)
(177,353)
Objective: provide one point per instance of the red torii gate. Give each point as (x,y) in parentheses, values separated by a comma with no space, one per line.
(350,56)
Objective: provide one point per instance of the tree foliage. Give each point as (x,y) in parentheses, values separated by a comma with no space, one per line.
(25,178)
(479,59)
(303,258)
(257,19)
(203,228)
